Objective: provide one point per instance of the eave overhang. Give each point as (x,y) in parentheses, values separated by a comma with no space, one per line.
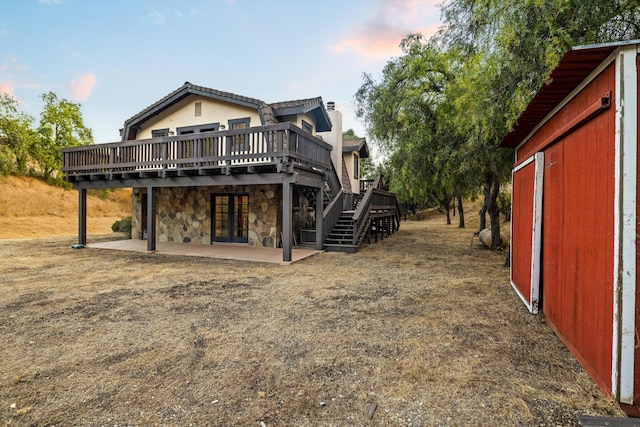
(574,67)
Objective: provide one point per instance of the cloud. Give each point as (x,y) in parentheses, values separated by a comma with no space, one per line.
(380,37)
(292,86)
(51,2)
(13,65)
(7,87)
(156,17)
(81,86)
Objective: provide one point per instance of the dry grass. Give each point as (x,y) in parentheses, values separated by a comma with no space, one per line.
(422,324)
(31,208)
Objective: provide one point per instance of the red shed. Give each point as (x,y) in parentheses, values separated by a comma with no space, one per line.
(574,226)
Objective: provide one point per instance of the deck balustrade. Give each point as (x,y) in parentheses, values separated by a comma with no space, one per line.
(280,145)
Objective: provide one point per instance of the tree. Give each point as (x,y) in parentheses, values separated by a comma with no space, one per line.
(17,138)
(61,126)
(442,108)
(511,47)
(407,113)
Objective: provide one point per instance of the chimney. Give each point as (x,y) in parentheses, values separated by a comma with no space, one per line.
(334,137)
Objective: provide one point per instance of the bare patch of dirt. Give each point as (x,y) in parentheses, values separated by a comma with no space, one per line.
(424,324)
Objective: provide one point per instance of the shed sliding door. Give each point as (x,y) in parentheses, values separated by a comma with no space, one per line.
(526,230)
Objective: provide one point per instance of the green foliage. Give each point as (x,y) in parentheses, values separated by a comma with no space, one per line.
(504,204)
(102,194)
(123,226)
(349,134)
(17,138)
(7,161)
(22,147)
(61,126)
(441,109)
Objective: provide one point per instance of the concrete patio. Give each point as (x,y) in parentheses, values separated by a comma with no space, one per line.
(239,252)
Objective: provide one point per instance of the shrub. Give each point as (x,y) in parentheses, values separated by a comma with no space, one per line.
(123,226)
(504,204)
(7,161)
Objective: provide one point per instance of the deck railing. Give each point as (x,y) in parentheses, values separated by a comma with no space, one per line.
(262,145)
(375,202)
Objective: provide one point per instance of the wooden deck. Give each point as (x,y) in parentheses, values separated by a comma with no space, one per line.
(264,149)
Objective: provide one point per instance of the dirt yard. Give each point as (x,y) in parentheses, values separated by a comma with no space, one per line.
(423,325)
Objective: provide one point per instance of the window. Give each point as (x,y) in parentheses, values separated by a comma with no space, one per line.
(198,107)
(307,127)
(356,166)
(159,133)
(156,148)
(239,141)
(209,127)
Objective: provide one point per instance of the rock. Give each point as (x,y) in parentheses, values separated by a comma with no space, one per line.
(371,408)
(485,238)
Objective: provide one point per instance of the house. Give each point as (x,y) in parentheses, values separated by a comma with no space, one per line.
(574,223)
(212,167)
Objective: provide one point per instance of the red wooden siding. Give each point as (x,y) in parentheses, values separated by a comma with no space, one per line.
(602,86)
(522,230)
(578,228)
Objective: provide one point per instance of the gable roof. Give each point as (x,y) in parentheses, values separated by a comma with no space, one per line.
(356,144)
(269,113)
(303,106)
(573,68)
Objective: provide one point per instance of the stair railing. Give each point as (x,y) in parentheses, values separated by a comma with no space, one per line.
(331,214)
(361,216)
(333,210)
(374,200)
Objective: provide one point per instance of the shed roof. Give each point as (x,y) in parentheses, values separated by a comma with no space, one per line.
(573,68)
(269,113)
(356,144)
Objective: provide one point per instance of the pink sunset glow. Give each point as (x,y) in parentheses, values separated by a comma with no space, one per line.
(380,38)
(82,86)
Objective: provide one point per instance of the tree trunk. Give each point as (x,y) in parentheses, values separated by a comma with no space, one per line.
(447,207)
(485,204)
(494,212)
(460,211)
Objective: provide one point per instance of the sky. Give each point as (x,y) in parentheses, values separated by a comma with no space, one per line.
(117,57)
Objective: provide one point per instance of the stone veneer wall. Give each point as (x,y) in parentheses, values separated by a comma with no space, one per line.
(183,214)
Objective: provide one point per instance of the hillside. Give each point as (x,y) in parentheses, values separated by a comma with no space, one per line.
(29,208)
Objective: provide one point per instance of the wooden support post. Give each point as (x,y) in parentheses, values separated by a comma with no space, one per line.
(82,216)
(377,227)
(151,219)
(287,221)
(319,218)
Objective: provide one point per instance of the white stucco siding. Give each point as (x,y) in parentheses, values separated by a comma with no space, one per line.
(183,114)
(349,161)
(334,138)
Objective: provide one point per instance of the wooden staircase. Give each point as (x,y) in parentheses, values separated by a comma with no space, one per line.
(374,212)
(340,239)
